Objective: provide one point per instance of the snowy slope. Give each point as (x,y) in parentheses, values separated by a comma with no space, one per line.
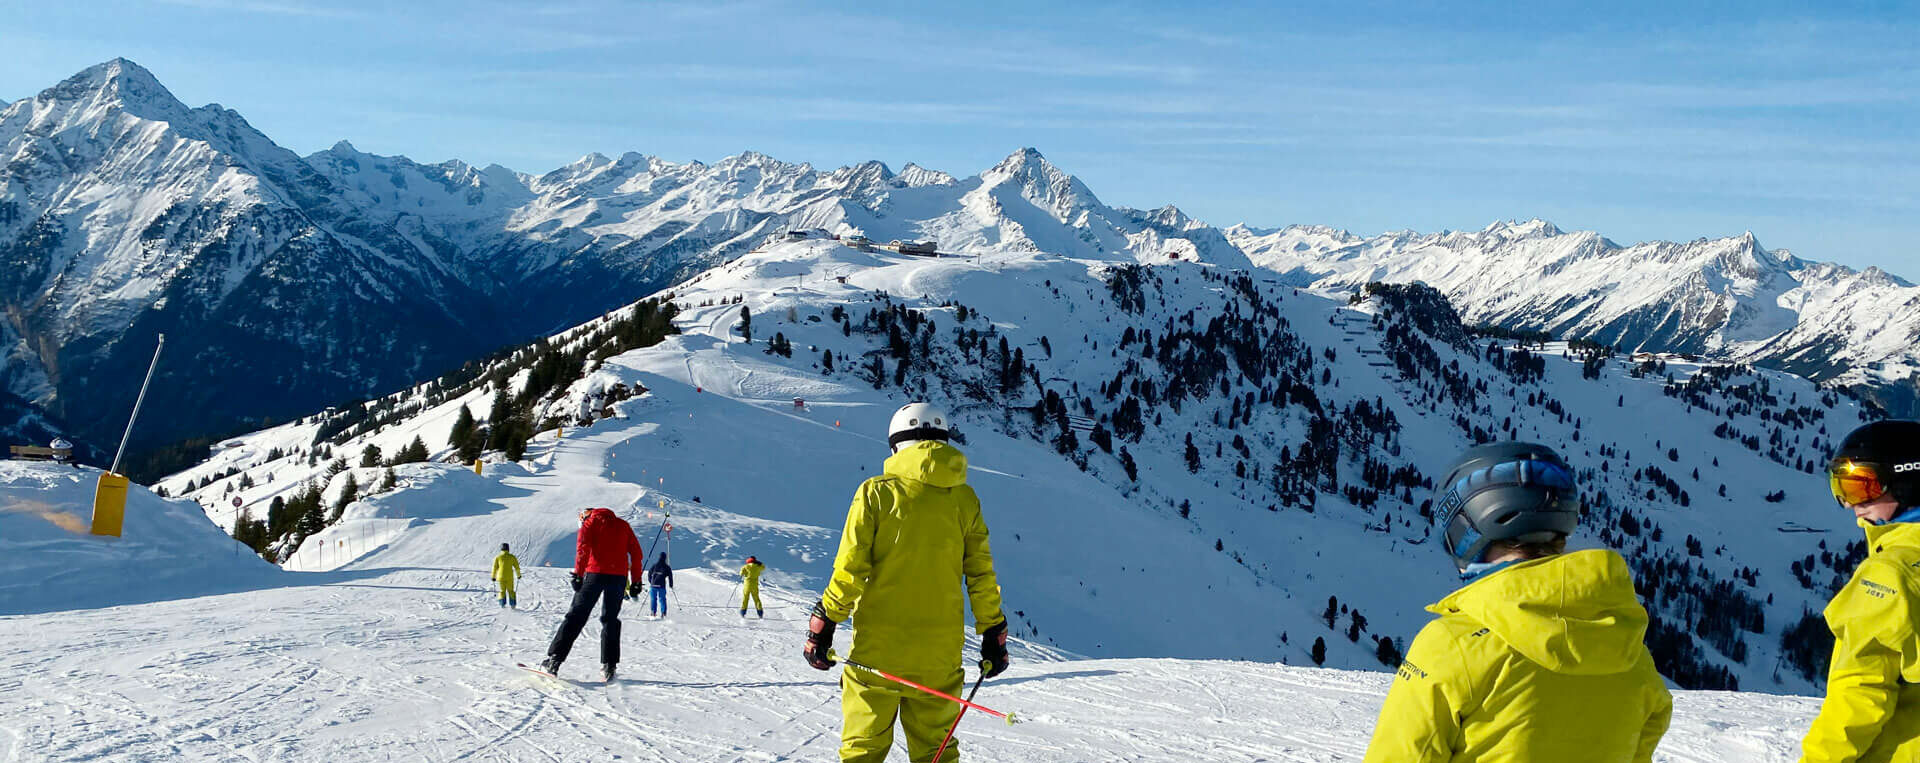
(1244,571)
(383,642)
(415,664)
(167,549)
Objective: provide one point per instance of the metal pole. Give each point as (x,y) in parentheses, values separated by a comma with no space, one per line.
(136,404)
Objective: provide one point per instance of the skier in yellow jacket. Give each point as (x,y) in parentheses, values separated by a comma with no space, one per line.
(912,534)
(1872,710)
(750,587)
(1539,657)
(506,572)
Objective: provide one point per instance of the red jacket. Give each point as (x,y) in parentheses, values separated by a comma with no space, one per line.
(606,545)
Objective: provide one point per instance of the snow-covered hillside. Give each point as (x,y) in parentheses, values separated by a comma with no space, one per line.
(416,664)
(1728,297)
(167,549)
(1295,516)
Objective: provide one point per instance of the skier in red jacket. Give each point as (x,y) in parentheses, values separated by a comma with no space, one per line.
(605,552)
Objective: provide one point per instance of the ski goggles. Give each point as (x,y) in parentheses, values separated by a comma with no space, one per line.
(1462,537)
(1855,482)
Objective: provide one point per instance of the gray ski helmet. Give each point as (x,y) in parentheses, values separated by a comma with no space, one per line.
(1891,449)
(1512,491)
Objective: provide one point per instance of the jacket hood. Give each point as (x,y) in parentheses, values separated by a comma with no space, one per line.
(598,517)
(930,461)
(1572,613)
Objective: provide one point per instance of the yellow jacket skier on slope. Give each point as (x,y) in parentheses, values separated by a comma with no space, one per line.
(506,572)
(750,585)
(912,535)
(1539,657)
(1872,710)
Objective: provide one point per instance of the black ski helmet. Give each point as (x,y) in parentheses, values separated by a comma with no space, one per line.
(503,547)
(1512,491)
(1892,449)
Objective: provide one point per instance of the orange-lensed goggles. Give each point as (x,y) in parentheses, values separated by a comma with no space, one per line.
(1855,482)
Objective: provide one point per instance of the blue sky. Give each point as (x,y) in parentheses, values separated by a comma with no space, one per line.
(1651,120)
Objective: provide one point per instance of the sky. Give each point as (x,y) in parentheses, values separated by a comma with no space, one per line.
(1676,121)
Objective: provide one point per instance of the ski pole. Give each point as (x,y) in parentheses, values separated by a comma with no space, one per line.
(736,589)
(656,534)
(963,712)
(1010,718)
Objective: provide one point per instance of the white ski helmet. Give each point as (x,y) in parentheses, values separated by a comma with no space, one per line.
(914,422)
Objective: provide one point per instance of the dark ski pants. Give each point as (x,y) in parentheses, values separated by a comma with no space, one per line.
(606,589)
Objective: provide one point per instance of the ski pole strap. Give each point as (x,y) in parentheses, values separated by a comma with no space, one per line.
(1010,718)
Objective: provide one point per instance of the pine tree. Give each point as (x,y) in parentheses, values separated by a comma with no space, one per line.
(826,360)
(1193,455)
(1126,463)
(415,452)
(746,324)
(1387,653)
(1319,652)
(462,432)
(370,457)
(498,416)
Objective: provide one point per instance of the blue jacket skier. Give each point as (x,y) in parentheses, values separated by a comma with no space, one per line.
(660,576)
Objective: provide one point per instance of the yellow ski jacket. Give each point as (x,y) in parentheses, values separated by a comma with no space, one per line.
(750,575)
(912,535)
(1872,710)
(506,568)
(1541,661)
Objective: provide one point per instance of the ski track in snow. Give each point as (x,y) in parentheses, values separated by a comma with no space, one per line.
(410,664)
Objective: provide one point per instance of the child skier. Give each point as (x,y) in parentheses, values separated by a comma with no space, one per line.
(750,584)
(660,576)
(603,555)
(1539,657)
(1872,710)
(912,535)
(506,572)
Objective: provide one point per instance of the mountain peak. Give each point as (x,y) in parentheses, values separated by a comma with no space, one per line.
(1532,228)
(118,83)
(914,175)
(1019,160)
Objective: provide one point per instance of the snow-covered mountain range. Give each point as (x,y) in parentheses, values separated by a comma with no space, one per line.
(1728,298)
(1222,465)
(297,282)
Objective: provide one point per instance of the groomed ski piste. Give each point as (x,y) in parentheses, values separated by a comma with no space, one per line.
(403,656)
(381,638)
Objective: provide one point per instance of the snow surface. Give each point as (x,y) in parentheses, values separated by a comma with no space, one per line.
(167,549)
(401,653)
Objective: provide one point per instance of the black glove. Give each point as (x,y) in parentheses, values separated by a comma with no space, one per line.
(634,588)
(819,639)
(993,650)
(575,580)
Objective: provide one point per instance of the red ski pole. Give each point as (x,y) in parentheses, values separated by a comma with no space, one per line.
(963,713)
(1010,718)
